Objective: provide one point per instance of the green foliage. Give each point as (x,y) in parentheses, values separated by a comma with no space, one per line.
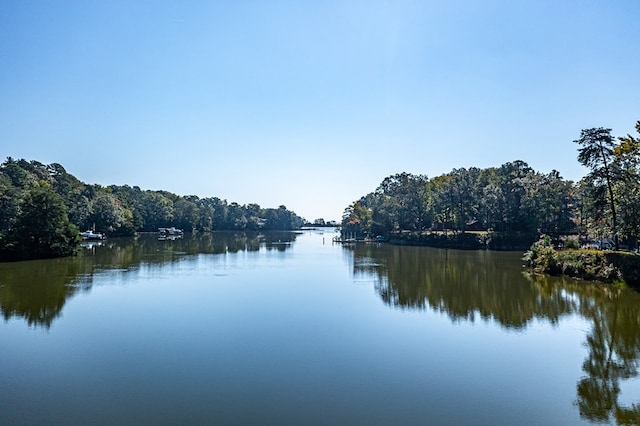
(627,266)
(611,191)
(114,210)
(513,202)
(42,228)
(185,214)
(571,244)
(598,265)
(542,256)
(467,241)
(156,209)
(596,152)
(356,221)
(107,213)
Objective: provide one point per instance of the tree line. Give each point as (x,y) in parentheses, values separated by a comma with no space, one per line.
(513,201)
(42,207)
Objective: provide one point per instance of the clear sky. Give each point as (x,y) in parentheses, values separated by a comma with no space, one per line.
(310,104)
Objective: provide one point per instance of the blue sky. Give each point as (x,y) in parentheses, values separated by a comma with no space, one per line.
(310,104)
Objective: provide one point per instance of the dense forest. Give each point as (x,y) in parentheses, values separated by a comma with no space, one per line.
(42,207)
(510,205)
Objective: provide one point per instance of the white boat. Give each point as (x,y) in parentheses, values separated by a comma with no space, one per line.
(91,235)
(170,232)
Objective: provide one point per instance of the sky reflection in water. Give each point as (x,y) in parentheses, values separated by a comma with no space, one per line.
(290,329)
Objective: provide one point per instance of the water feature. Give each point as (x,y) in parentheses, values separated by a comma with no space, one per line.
(289,328)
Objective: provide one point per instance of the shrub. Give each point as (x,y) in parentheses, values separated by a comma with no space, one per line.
(571,243)
(542,256)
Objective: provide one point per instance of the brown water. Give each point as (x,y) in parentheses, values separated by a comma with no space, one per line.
(291,329)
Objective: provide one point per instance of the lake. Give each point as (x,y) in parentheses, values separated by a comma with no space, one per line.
(290,328)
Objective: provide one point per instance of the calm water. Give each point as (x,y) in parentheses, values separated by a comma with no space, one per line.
(292,329)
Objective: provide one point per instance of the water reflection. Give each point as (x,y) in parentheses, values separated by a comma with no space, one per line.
(37,290)
(463,284)
(491,285)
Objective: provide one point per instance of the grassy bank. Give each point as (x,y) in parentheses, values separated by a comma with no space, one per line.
(594,265)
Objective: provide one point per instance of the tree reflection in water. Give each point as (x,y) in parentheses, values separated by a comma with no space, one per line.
(37,290)
(614,353)
(465,285)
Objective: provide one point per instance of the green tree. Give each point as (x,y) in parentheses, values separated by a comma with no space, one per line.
(219,213)
(205,216)
(106,213)
(131,199)
(597,153)
(280,219)
(42,228)
(356,221)
(628,192)
(185,213)
(546,203)
(629,149)
(491,206)
(8,202)
(455,198)
(441,201)
(512,184)
(236,218)
(156,210)
(404,195)
(253,215)
(73,191)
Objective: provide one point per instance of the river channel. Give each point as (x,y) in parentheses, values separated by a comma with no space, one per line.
(290,328)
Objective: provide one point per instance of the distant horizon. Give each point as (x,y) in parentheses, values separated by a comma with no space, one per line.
(310,105)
